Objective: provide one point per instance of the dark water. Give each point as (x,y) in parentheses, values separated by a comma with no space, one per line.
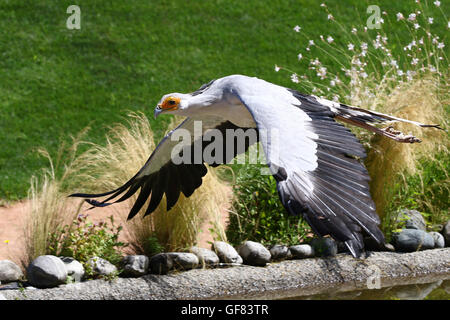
(437,290)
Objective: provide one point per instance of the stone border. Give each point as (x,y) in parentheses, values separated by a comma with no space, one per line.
(276,280)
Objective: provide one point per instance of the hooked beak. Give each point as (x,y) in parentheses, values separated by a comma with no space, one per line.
(157,111)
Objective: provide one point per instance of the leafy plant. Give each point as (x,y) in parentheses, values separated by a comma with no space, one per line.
(258,213)
(83,240)
(427,191)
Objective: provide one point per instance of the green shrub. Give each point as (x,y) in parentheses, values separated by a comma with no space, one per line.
(83,240)
(258,214)
(427,191)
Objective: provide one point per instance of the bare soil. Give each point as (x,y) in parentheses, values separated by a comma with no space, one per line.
(13,221)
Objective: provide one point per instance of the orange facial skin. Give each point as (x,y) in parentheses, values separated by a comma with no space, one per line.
(170,103)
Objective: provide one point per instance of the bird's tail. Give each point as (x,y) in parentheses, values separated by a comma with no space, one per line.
(366,119)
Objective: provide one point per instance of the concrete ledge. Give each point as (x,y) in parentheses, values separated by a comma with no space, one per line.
(277,280)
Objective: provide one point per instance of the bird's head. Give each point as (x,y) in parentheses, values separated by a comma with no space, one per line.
(169,103)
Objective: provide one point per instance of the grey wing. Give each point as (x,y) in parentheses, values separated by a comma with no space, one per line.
(312,157)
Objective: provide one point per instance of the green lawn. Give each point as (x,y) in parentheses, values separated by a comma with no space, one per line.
(54,82)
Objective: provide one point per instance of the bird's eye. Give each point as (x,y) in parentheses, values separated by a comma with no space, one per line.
(170,103)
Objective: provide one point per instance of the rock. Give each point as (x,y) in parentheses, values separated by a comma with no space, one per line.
(301,251)
(9,271)
(160,263)
(101,267)
(324,247)
(389,247)
(135,265)
(205,256)
(46,272)
(74,268)
(226,252)
(11,286)
(413,219)
(279,252)
(183,260)
(409,240)
(254,253)
(446,233)
(439,241)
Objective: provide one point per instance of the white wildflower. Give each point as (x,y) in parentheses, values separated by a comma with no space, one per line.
(414,61)
(400,16)
(394,63)
(315,62)
(430,20)
(322,73)
(364,46)
(400,72)
(440,45)
(330,17)
(330,39)
(351,46)
(323,5)
(410,74)
(437,3)
(332,83)
(354,30)
(277,68)
(412,17)
(432,68)
(297,28)
(364,75)
(294,78)
(376,43)
(299,56)
(311,42)
(416,26)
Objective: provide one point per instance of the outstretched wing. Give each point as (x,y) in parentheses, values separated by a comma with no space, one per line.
(174,166)
(313,159)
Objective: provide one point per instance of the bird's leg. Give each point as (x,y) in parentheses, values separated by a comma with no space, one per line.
(388,132)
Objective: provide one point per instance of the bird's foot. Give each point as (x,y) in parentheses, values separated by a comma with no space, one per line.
(391,130)
(399,136)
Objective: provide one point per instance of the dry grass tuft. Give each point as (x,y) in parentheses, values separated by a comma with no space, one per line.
(420,101)
(49,210)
